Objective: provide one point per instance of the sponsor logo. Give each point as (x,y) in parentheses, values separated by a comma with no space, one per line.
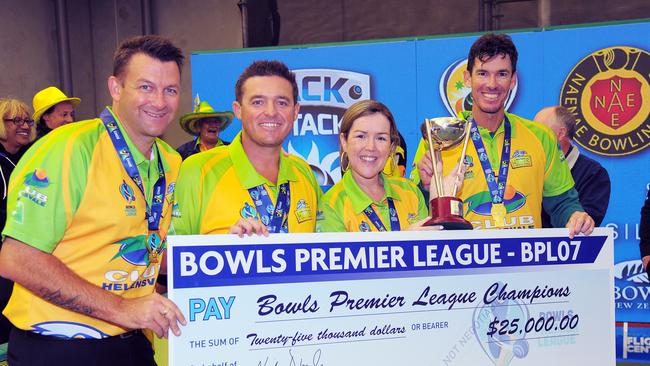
(411,218)
(605,91)
(248,211)
(364,227)
(68,330)
(631,271)
(303,211)
(170,192)
(631,287)
(325,94)
(521,159)
(456,95)
(129,195)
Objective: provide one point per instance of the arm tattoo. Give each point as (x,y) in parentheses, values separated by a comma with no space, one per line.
(56,298)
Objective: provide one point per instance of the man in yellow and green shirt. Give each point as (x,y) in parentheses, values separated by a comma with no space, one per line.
(252,185)
(89,209)
(514,165)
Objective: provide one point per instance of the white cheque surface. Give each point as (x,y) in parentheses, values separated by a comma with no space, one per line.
(509,297)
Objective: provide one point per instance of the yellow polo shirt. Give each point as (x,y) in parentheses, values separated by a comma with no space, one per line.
(71,197)
(342,206)
(212,191)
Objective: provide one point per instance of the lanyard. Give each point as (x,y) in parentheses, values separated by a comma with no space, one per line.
(153,211)
(496,188)
(275,218)
(392,212)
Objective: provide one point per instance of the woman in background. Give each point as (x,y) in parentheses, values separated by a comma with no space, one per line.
(366,199)
(16,133)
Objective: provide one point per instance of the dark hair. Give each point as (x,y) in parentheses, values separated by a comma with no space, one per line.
(567,119)
(266,68)
(490,45)
(153,46)
(361,109)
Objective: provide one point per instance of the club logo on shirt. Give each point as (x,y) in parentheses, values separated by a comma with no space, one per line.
(364,227)
(456,95)
(521,159)
(36,179)
(248,211)
(127,193)
(607,93)
(134,250)
(303,211)
(481,203)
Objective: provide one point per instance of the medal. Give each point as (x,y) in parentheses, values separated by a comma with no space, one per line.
(153,246)
(498,212)
(496,186)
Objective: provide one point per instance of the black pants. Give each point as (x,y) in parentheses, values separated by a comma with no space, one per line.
(31,349)
(5,292)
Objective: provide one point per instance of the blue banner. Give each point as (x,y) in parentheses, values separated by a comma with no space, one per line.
(601,73)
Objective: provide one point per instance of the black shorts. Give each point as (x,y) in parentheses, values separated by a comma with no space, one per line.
(31,349)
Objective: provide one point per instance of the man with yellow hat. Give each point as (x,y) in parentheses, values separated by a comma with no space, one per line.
(52,109)
(205,123)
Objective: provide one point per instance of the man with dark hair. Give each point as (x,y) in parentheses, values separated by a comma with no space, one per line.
(514,165)
(591,179)
(252,185)
(90,208)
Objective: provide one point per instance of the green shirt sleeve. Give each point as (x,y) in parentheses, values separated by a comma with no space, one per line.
(46,188)
(186,216)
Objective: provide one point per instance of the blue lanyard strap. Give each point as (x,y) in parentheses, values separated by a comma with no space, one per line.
(392,212)
(274,217)
(154,210)
(496,188)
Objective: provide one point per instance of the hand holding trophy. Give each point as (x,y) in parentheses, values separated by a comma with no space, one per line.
(444,133)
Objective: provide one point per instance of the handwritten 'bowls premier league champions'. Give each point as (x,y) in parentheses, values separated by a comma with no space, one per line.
(392,299)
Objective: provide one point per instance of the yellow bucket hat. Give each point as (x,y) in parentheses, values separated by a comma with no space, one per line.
(190,121)
(49,97)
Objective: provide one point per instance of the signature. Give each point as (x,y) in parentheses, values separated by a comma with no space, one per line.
(296,360)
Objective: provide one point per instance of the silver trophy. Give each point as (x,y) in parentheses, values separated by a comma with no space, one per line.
(444,133)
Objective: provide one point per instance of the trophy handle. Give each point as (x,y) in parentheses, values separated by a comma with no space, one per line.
(462,160)
(434,161)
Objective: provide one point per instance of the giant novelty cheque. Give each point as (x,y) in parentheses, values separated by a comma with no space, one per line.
(520,297)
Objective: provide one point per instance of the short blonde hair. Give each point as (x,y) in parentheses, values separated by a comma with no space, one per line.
(12,108)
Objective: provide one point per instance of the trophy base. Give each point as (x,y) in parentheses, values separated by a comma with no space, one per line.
(448,212)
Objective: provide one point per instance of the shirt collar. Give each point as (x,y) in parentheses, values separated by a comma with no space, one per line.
(360,199)
(486,133)
(246,173)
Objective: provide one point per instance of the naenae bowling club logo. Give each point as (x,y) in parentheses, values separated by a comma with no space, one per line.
(324,95)
(608,92)
(456,95)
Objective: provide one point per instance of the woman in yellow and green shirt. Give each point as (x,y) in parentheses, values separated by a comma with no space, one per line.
(366,199)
